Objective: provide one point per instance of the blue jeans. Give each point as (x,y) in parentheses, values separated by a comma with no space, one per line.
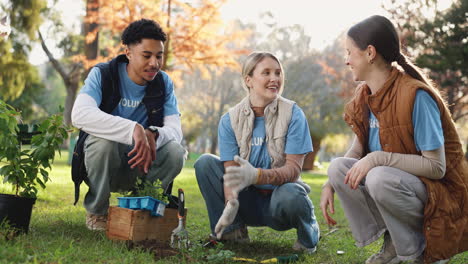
(288,206)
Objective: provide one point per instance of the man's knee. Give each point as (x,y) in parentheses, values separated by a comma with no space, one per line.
(100,145)
(176,154)
(100,153)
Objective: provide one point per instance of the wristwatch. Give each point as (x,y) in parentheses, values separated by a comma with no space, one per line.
(155,130)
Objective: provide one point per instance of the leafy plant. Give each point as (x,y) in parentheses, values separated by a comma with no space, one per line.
(7,232)
(25,168)
(146,188)
(221,256)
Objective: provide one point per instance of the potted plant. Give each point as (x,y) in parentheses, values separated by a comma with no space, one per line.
(25,168)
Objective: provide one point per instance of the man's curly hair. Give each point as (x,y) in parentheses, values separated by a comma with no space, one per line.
(142,29)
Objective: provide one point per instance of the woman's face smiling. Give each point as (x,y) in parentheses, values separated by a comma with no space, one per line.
(356,59)
(265,82)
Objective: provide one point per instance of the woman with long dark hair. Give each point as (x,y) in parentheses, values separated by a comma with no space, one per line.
(404,176)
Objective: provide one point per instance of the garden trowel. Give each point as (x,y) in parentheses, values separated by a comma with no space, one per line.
(179,237)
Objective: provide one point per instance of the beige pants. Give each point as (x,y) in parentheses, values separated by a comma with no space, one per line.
(387,199)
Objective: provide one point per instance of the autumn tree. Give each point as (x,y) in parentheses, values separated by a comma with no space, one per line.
(197,37)
(204,100)
(199,51)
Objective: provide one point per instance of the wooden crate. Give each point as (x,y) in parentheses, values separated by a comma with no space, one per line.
(137,225)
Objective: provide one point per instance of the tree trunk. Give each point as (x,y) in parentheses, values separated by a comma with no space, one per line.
(214,141)
(310,158)
(70,79)
(466,152)
(91,25)
(214,137)
(69,101)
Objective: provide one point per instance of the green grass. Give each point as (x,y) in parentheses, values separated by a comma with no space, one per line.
(58,233)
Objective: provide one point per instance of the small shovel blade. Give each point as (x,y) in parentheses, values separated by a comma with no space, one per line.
(179,237)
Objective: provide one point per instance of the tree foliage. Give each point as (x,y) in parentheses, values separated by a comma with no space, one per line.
(438,42)
(203,100)
(71,44)
(16,73)
(319,82)
(197,37)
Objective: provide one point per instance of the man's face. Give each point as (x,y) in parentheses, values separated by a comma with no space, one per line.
(145,60)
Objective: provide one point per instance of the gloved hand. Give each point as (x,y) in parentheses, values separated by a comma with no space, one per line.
(237,178)
(229,213)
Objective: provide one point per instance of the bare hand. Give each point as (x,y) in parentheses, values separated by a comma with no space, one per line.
(357,173)
(141,150)
(152,143)
(327,202)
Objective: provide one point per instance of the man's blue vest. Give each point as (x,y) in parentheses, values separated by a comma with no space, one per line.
(153,101)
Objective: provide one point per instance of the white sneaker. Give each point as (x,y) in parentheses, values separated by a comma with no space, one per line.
(299,247)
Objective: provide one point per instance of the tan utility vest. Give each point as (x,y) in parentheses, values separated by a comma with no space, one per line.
(277,118)
(446,210)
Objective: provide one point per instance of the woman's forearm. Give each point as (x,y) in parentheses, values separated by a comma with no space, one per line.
(289,172)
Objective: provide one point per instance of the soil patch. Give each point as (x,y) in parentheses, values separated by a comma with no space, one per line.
(159,249)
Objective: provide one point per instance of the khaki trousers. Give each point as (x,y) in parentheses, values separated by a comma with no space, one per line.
(108,170)
(387,199)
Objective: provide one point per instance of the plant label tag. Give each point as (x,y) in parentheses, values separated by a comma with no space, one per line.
(160,209)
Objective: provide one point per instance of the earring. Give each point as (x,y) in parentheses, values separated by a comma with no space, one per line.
(371,61)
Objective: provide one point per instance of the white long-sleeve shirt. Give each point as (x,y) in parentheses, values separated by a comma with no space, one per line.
(87,116)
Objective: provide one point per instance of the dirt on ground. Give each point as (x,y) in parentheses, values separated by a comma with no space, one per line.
(158,248)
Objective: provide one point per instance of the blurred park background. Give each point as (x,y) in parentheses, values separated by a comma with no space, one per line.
(53,44)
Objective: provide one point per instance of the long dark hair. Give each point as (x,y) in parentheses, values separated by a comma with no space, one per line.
(379,32)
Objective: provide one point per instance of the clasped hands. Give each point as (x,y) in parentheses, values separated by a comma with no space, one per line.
(236,178)
(144,150)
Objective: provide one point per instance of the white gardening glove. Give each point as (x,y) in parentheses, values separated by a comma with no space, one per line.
(237,178)
(229,213)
